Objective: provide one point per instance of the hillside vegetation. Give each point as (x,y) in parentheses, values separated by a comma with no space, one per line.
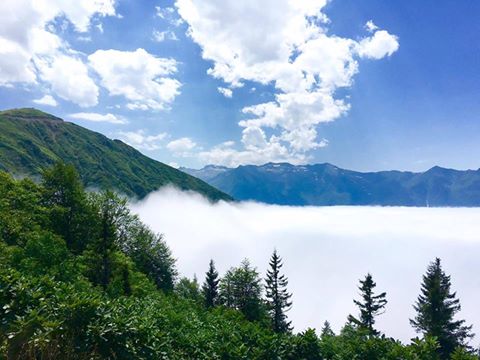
(31,140)
(83,278)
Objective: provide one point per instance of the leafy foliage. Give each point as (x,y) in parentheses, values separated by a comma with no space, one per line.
(82,278)
(240,289)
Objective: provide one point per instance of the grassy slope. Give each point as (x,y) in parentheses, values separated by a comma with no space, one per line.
(31,140)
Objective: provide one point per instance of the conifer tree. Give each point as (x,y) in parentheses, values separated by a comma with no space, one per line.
(436,307)
(370,306)
(327,330)
(278,298)
(210,286)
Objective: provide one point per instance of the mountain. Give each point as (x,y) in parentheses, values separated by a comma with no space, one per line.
(326,184)
(31,140)
(207,173)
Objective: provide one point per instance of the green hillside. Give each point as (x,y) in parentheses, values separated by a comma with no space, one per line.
(31,140)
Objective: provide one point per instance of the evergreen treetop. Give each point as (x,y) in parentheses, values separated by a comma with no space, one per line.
(210,286)
(278,298)
(370,305)
(436,308)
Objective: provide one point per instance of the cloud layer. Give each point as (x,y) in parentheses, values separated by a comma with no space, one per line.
(326,250)
(284,44)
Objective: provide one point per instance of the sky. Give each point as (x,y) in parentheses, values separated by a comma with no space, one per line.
(365,85)
(326,251)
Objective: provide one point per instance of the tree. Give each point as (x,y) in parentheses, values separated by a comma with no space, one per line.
(370,306)
(150,253)
(327,330)
(64,197)
(210,286)
(278,298)
(188,289)
(436,308)
(240,289)
(111,224)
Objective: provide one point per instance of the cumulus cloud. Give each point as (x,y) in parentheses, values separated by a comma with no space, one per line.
(381,44)
(96,117)
(182,147)
(140,77)
(69,79)
(46,100)
(141,140)
(326,251)
(304,64)
(32,52)
(227,154)
(228,93)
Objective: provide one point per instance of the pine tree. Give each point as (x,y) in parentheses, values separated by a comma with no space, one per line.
(327,330)
(278,298)
(436,307)
(370,306)
(210,286)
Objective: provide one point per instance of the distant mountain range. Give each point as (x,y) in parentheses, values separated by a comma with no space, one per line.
(326,184)
(31,140)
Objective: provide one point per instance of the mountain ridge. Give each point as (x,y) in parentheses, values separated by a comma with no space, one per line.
(32,140)
(327,184)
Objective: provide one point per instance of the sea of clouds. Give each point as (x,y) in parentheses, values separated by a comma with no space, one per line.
(326,250)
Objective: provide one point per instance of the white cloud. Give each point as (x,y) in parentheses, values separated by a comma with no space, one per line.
(142,78)
(29,44)
(141,140)
(272,151)
(299,58)
(228,93)
(164,12)
(169,14)
(327,248)
(96,117)
(160,36)
(370,26)
(69,79)
(46,100)
(381,44)
(182,146)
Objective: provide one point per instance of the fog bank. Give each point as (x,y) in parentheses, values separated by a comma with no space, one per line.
(326,250)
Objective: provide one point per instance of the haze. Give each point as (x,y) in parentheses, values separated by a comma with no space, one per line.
(326,250)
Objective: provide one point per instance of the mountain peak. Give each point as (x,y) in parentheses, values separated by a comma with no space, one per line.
(32,140)
(31,114)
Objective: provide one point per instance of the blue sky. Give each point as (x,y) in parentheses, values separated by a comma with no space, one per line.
(303,81)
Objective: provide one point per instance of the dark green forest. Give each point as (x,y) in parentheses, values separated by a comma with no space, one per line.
(81,277)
